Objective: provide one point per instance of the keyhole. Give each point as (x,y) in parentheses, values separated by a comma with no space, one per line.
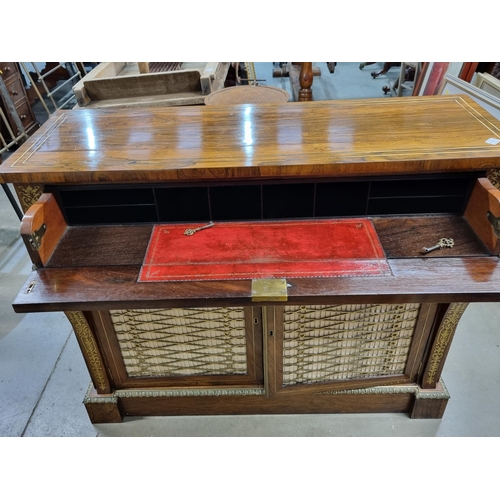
(271,333)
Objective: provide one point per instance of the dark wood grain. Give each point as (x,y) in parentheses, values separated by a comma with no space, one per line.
(429,408)
(327,138)
(84,246)
(401,237)
(471,279)
(284,404)
(255,405)
(404,237)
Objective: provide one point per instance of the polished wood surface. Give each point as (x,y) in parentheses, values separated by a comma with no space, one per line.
(470,279)
(401,237)
(255,405)
(308,139)
(406,236)
(101,264)
(102,246)
(310,155)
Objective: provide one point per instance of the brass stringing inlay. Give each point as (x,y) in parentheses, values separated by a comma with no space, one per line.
(327,343)
(170,342)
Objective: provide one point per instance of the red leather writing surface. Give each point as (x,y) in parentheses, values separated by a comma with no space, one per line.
(248,250)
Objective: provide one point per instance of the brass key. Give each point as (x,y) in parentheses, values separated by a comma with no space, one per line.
(442,243)
(189,232)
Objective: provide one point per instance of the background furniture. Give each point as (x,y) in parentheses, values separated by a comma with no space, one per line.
(348,342)
(119,84)
(247,94)
(488,83)
(9,72)
(487,101)
(17,120)
(402,83)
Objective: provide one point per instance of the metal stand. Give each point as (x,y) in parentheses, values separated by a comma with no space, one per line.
(13,201)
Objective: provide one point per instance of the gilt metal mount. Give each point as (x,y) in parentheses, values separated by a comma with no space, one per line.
(273,290)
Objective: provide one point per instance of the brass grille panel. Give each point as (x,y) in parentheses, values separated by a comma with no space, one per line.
(173,342)
(342,342)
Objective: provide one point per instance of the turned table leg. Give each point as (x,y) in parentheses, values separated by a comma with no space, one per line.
(305,80)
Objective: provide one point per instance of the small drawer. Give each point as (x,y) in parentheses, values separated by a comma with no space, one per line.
(25,114)
(8,69)
(16,91)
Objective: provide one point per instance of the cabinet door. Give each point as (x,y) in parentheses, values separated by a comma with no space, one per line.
(182,347)
(344,346)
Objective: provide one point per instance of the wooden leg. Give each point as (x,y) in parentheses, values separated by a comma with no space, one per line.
(305,80)
(430,403)
(102,408)
(13,201)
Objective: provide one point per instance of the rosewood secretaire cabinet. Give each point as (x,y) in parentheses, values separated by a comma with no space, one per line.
(336,245)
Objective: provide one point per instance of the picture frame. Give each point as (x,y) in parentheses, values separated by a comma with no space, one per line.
(454,85)
(431,79)
(487,83)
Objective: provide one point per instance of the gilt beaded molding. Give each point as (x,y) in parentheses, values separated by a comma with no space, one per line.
(401,389)
(168,393)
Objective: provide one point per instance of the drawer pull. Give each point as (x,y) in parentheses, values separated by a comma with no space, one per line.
(15,92)
(6,68)
(23,117)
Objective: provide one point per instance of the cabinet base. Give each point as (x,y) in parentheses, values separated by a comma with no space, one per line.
(411,399)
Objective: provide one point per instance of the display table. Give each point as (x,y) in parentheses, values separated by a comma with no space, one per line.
(309,293)
(247,94)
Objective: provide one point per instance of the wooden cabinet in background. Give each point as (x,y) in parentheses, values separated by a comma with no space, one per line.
(9,71)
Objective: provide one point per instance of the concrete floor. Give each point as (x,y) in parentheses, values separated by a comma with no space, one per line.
(43,378)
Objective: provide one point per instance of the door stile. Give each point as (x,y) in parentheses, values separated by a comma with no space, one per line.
(272,341)
(254,320)
(420,339)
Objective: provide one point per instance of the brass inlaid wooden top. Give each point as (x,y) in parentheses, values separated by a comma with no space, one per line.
(324,138)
